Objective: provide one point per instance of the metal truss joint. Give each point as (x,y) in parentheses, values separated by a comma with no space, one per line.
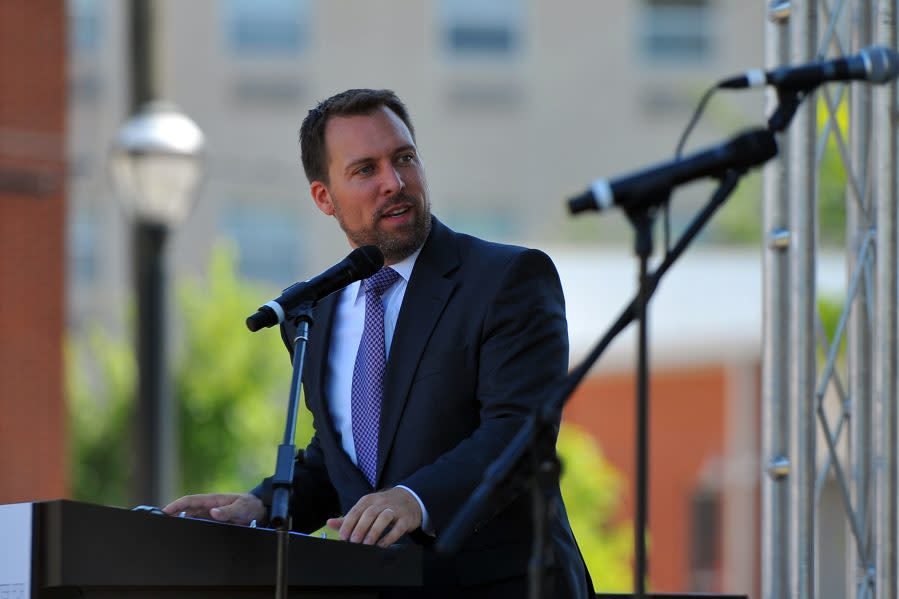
(779,10)
(778,468)
(779,239)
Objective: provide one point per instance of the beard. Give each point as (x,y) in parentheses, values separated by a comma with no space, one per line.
(395,245)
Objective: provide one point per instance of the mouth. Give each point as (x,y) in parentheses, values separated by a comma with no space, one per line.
(396,211)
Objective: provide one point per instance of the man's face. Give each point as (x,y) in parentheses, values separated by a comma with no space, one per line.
(377,188)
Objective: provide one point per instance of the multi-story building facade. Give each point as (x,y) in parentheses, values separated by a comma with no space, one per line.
(32,250)
(517,103)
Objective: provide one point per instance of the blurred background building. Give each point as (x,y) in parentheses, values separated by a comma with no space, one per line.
(516,103)
(33,193)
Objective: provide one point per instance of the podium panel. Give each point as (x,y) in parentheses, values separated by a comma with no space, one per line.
(84,550)
(671,596)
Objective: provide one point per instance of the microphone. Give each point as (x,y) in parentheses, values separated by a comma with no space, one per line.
(876,64)
(362,263)
(647,187)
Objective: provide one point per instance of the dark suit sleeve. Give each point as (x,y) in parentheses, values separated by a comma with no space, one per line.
(523,353)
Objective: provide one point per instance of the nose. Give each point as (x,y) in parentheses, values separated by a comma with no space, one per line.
(392,182)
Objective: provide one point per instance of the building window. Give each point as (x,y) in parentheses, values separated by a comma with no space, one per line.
(677,30)
(479,29)
(266,92)
(497,96)
(267,241)
(84,25)
(704,549)
(267,28)
(82,241)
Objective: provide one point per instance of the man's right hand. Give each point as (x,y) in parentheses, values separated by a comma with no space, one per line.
(234,508)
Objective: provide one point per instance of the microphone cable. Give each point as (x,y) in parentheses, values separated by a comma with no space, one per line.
(678,152)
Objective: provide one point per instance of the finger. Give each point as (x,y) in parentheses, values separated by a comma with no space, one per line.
(226,512)
(403,523)
(177,505)
(360,530)
(384,519)
(334,523)
(202,506)
(192,504)
(242,510)
(400,527)
(349,521)
(222,514)
(173,507)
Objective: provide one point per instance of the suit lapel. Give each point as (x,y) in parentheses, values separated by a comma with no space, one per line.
(426,296)
(316,367)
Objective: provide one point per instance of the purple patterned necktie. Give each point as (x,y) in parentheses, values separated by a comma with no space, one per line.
(368,374)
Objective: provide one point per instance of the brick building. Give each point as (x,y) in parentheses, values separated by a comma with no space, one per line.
(33,104)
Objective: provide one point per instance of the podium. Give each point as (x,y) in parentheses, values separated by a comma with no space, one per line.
(71,549)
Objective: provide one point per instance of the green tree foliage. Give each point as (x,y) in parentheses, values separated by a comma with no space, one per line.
(592,490)
(830,309)
(832,194)
(231,390)
(231,385)
(740,220)
(100,375)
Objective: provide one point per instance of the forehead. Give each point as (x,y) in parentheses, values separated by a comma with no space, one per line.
(350,138)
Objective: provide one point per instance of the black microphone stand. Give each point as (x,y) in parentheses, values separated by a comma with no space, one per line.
(530,456)
(282,481)
(546,468)
(788,101)
(642,220)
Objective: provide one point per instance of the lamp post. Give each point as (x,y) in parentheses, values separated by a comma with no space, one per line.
(155,164)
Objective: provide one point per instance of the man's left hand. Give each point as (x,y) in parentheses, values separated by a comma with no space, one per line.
(380,518)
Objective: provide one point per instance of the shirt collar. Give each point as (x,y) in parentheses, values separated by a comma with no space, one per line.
(403,268)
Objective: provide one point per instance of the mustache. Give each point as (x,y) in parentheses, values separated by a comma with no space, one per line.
(400,198)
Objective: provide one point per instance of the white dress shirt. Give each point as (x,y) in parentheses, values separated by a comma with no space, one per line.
(346,333)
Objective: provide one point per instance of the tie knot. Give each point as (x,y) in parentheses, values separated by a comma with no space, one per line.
(381,280)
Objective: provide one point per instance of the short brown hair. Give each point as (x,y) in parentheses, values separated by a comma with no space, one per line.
(352,102)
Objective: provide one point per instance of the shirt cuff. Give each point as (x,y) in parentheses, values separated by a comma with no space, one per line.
(425,520)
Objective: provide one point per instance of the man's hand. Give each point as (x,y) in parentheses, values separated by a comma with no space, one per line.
(235,508)
(390,513)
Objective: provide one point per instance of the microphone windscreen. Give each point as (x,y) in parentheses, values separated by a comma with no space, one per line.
(884,64)
(367,259)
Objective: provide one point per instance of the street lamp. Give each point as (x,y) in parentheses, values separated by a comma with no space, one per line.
(155,164)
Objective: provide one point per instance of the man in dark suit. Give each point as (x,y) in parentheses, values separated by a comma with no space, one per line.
(418,378)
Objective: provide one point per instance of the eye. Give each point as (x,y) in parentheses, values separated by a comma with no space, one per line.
(406,158)
(365,169)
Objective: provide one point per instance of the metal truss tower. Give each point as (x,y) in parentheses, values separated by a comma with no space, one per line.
(829,397)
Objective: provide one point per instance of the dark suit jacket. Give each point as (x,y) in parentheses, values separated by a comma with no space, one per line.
(480,340)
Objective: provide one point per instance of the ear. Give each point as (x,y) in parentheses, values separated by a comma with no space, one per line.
(322,197)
